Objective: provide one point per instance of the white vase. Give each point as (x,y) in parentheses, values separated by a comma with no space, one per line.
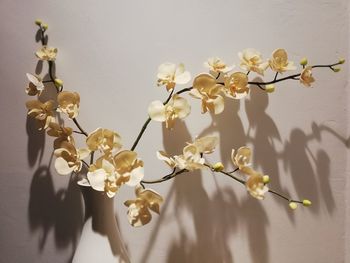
(100,239)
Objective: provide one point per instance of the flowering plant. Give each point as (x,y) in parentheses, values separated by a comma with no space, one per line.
(110,166)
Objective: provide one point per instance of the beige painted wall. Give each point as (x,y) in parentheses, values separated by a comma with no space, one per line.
(109,52)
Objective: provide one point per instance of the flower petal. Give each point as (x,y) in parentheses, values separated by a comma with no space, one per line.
(62,166)
(183,78)
(181,106)
(136,176)
(97,179)
(156,111)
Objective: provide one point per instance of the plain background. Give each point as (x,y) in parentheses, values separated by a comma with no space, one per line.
(109,52)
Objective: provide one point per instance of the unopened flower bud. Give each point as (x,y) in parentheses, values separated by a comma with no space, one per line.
(58,82)
(307,202)
(45,26)
(293,205)
(303,61)
(266,179)
(38,22)
(270,88)
(341,61)
(336,69)
(218,167)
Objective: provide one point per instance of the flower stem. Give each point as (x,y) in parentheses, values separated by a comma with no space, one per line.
(293,77)
(144,126)
(52,78)
(79,127)
(165,178)
(229,174)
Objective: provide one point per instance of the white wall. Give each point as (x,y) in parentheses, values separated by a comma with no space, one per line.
(109,52)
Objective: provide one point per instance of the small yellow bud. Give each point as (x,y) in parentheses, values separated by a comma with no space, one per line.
(266,179)
(336,69)
(307,202)
(341,61)
(45,26)
(58,82)
(270,88)
(218,167)
(38,22)
(293,205)
(303,61)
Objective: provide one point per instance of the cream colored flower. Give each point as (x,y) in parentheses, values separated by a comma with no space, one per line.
(255,183)
(176,108)
(109,174)
(306,77)
(63,134)
(69,158)
(256,187)
(42,112)
(191,158)
(236,85)
(215,64)
(242,157)
(68,103)
(102,176)
(163,156)
(169,75)
(36,85)
(129,166)
(208,91)
(104,140)
(251,60)
(206,144)
(138,210)
(279,61)
(47,53)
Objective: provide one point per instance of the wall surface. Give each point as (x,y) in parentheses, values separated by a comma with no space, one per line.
(109,52)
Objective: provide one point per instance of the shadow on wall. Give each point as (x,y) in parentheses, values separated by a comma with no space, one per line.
(216,218)
(59,211)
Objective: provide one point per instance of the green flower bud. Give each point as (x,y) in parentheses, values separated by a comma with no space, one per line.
(293,205)
(341,61)
(307,202)
(270,88)
(38,22)
(303,61)
(336,69)
(266,179)
(45,26)
(58,82)
(218,167)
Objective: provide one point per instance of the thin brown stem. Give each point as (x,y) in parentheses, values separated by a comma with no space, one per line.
(79,127)
(292,77)
(92,157)
(165,178)
(229,174)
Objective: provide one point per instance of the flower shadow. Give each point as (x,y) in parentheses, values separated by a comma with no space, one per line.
(36,142)
(215,217)
(50,210)
(229,126)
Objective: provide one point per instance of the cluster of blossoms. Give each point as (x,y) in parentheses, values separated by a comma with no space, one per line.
(115,166)
(220,82)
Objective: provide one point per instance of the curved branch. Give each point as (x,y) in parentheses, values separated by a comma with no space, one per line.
(165,178)
(293,77)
